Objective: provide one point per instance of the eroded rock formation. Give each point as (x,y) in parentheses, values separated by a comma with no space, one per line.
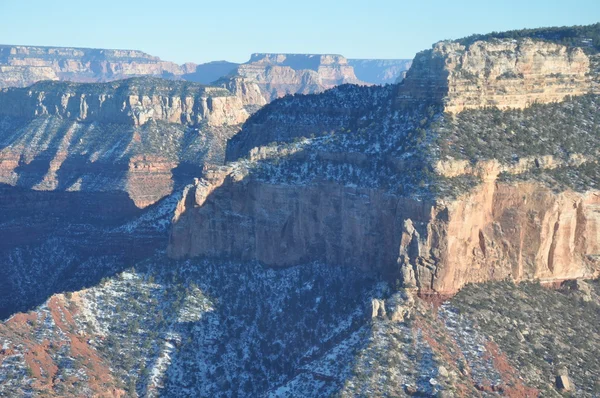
(499,230)
(25,65)
(281,74)
(494,229)
(138,135)
(134,102)
(500,73)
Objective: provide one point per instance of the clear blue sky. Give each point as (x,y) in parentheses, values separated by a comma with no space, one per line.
(201,31)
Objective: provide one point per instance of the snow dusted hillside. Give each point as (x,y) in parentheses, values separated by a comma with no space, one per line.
(360,242)
(205,328)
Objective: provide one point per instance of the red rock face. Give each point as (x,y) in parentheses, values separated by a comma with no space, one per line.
(149,178)
(75,160)
(64,336)
(521,231)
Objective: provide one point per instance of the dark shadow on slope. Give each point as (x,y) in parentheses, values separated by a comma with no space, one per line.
(185,173)
(341,107)
(267,327)
(91,176)
(32,173)
(53,241)
(279,219)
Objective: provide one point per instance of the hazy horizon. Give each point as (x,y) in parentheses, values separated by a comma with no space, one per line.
(199,33)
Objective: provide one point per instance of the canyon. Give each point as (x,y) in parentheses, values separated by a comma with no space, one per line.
(277,74)
(292,231)
(519,231)
(25,65)
(132,135)
(256,209)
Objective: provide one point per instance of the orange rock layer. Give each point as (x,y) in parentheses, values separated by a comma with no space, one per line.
(521,231)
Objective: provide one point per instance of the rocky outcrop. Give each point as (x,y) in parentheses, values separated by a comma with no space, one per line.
(281,225)
(519,231)
(322,208)
(500,73)
(249,93)
(143,136)
(499,230)
(25,65)
(494,229)
(281,74)
(134,102)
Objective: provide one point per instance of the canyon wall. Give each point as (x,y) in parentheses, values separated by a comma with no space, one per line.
(275,74)
(143,136)
(134,102)
(506,230)
(492,229)
(283,225)
(25,65)
(500,73)
(500,230)
(53,154)
(281,74)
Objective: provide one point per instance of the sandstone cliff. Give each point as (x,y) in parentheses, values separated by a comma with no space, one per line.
(521,231)
(281,74)
(134,102)
(143,136)
(501,73)
(430,200)
(24,65)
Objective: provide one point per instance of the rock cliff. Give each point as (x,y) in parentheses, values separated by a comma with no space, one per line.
(336,193)
(141,135)
(134,102)
(281,74)
(24,65)
(500,73)
(429,199)
(521,231)
(263,78)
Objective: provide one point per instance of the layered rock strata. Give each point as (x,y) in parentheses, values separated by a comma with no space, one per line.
(493,230)
(499,73)
(140,135)
(133,102)
(521,231)
(275,74)
(281,74)
(25,65)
